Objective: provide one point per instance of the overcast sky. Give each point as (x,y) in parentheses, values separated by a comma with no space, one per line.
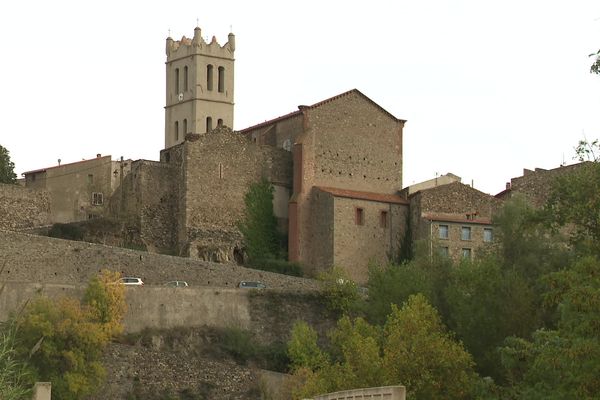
(487,87)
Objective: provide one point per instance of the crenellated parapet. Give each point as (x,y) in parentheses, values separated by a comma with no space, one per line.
(176,49)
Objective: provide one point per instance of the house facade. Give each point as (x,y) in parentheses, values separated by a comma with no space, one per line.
(455,220)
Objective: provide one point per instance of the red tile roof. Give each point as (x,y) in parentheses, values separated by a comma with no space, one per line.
(355,194)
(295,113)
(457,218)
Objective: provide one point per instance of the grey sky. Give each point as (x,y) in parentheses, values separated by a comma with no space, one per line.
(488,87)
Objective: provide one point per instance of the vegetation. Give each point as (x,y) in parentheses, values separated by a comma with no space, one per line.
(595,68)
(14,377)
(62,340)
(265,245)
(526,311)
(412,348)
(66,231)
(340,293)
(7,167)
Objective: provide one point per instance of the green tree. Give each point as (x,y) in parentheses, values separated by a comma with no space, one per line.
(340,292)
(259,225)
(63,339)
(574,203)
(485,305)
(393,284)
(595,68)
(420,354)
(14,382)
(7,167)
(563,363)
(107,301)
(413,349)
(303,350)
(66,346)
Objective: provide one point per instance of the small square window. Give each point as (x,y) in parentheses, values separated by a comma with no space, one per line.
(465,233)
(443,231)
(488,234)
(466,253)
(443,251)
(97,199)
(383,219)
(90,179)
(359,216)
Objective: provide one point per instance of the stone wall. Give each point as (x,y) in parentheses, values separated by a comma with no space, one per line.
(33,258)
(72,187)
(22,208)
(218,170)
(454,205)
(356,246)
(457,199)
(536,185)
(147,203)
(349,143)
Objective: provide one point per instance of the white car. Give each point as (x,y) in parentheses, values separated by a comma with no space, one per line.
(131,281)
(177,284)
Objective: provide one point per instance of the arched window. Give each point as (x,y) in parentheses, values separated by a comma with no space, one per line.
(221,79)
(208,124)
(185,79)
(176,80)
(176,130)
(219,122)
(209,77)
(185,131)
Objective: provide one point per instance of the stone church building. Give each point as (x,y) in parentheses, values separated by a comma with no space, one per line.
(336,169)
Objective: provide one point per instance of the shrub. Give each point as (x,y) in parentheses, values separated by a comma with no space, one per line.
(66,231)
(279,266)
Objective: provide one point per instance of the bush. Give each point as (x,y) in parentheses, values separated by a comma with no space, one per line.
(279,266)
(66,231)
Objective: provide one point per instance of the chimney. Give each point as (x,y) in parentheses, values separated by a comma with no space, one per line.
(507,185)
(98,155)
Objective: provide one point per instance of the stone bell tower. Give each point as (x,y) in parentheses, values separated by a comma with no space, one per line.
(200,82)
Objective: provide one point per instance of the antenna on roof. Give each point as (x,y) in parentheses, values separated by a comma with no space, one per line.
(197,22)
(169,32)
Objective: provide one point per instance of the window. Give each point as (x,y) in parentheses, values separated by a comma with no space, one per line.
(488,234)
(220,170)
(209,77)
(185,78)
(221,79)
(383,219)
(359,217)
(208,124)
(177,80)
(443,231)
(90,179)
(176,130)
(465,233)
(443,251)
(219,122)
(97,199)
(185,127)
(466,253)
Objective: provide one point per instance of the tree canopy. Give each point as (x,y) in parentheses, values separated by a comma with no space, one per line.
(7,167)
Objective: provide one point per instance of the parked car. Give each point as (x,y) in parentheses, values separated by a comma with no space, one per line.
(251,285)
(131,281)
(177,284)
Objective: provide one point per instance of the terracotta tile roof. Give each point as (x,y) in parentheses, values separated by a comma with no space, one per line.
(329,100)
(355,194)
(457,218)
(63,165)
